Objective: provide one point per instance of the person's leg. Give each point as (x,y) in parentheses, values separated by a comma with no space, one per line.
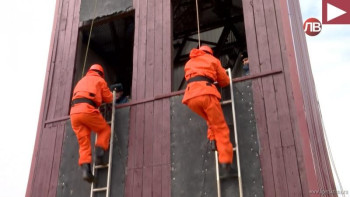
(220,129)
(83,135)
(196,105)
(98,124)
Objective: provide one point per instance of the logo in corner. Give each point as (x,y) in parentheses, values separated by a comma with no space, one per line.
(312,26)
(336,12)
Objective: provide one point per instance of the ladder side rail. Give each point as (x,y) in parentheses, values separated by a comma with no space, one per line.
(217,174)
(236,135)
(93,173)
(111,145)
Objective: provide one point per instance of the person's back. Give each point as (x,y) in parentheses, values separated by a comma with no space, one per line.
(93,87)
(204,65)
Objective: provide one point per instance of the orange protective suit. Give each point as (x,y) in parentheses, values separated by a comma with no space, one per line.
(86,117)
(203,98)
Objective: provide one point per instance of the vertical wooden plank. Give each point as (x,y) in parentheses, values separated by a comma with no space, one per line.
(71,60)
(129,181)
(149,134)
(140,94)
(136,49)
(58,108)
(58,63)
(292,172)
(137,185)
(150,71)
(167,65)
(274,137)
(140,129)
(147,181)
(265,152)
(47,148)
(158,82)
(157,181)
(158,125)
(276,62)
(142,49)
(149,131)
(259,107)
(167,62)
(284,120)
(56,159)
(167,46)
(166,191)
(158,48)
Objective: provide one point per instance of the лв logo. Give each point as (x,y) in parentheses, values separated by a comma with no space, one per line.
(312,27)
(335,11)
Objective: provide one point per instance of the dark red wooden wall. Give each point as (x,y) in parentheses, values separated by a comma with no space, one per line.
(148,167)
(286,108)
(324,174)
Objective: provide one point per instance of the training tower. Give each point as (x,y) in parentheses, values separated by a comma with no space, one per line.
(160,147)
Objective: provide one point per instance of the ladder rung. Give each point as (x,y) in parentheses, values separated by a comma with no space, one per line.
(234,148)
(100,189)
(109,122)
(102,166)
(226,102)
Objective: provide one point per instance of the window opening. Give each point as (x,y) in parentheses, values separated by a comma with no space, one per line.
(221,27)
(111,45)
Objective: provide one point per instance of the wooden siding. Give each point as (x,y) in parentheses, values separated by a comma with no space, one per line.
(148,167)
(282,101)
(313,116)
(56,98)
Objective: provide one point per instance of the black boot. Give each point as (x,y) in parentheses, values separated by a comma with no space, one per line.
(87,175)
(227,171)
(99,153)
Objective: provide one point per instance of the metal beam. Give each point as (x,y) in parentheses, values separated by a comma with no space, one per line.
(202,41)
(223,37)
(210,26)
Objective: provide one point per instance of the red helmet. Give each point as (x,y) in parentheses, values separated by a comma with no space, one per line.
(206,48)
(98,68)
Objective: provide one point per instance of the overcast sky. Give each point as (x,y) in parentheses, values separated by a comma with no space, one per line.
(25,34)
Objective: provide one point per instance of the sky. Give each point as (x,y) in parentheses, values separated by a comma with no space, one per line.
(25,34)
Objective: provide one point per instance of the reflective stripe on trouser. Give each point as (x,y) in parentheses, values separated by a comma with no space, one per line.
(209,108)
(82,125)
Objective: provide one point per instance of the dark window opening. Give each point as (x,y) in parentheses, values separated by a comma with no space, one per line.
(111,45)
(221,27)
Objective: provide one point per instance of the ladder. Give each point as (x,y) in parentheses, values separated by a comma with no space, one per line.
(235,148)
(109,164)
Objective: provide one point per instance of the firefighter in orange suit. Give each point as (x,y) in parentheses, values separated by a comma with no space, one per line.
(202,97)
(88,95)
